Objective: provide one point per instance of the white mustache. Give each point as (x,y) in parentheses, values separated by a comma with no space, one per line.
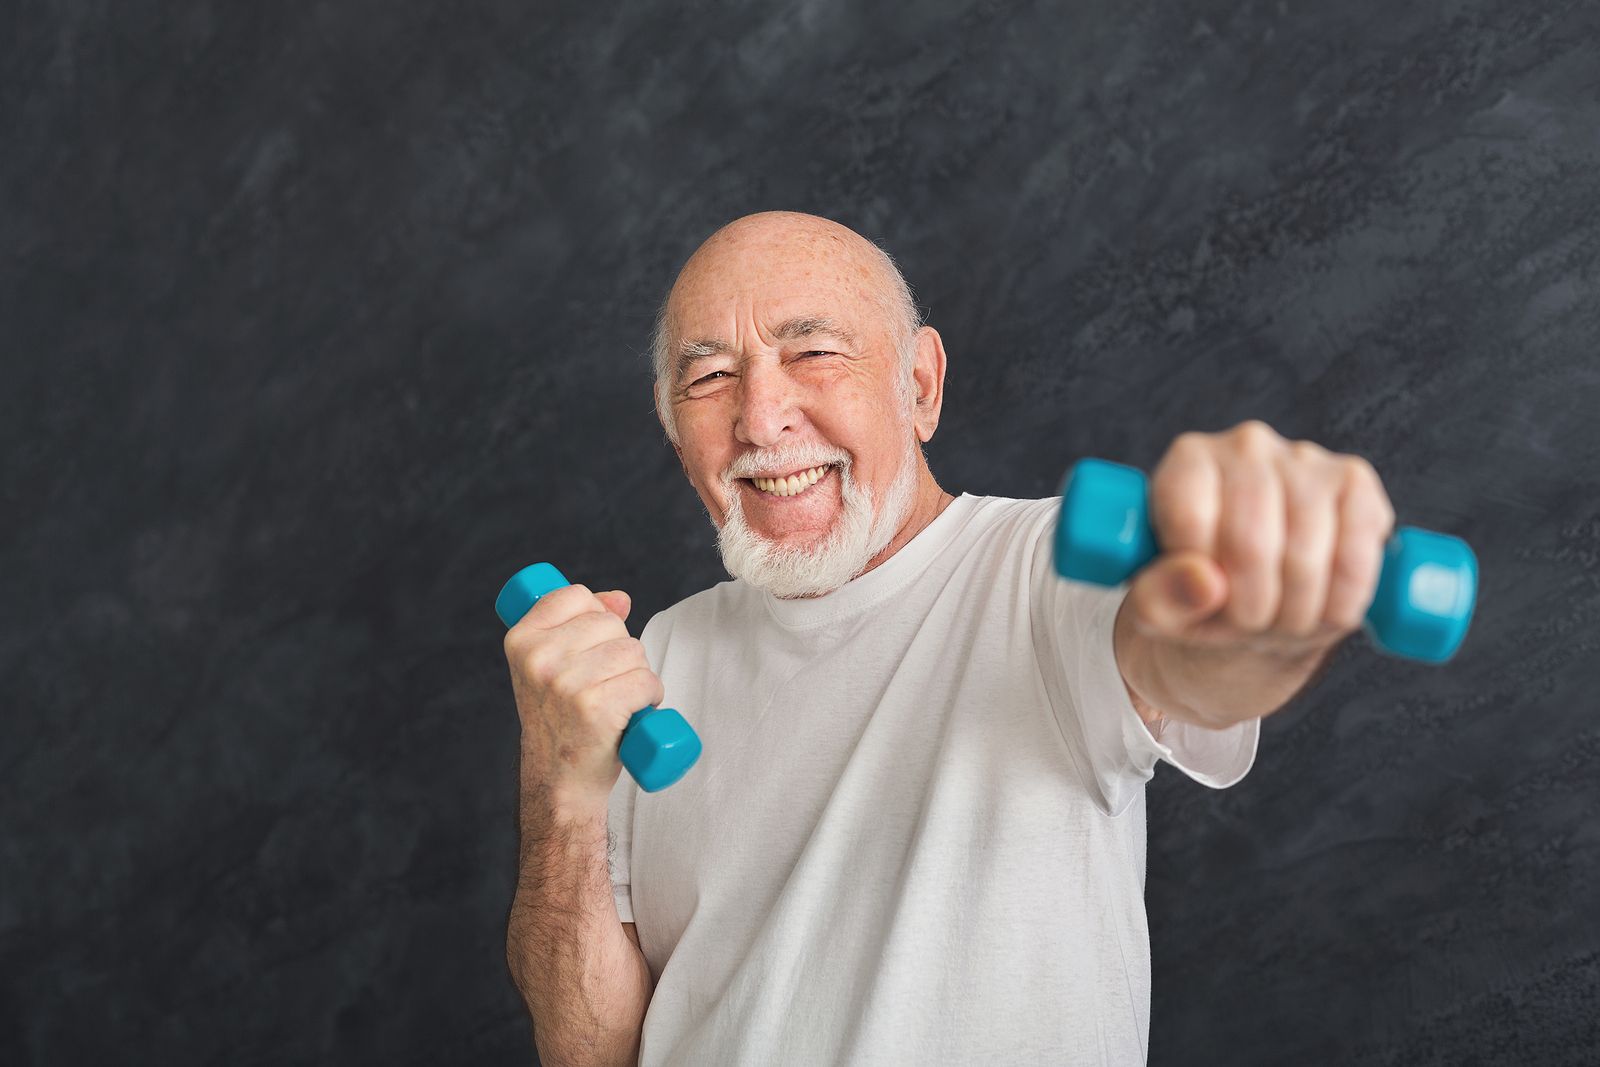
(753,463)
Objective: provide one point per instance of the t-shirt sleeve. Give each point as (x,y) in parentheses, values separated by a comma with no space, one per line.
(619,827)
(1073,626)
(620,805)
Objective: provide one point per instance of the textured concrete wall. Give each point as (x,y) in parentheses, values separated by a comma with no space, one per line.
(316,321)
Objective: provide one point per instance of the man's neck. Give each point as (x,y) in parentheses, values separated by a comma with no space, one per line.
(930,503)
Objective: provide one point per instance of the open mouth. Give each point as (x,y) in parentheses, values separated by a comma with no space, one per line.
(791,485)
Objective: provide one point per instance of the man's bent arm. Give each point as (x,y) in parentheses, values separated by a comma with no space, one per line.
(585,984)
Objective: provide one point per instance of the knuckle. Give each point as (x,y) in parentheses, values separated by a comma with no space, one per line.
(543,664)
(563,684)
(1372,507)
(1360,473)
(588,703)
(1307,452)
(1255,438)
(1360,466)
(556,598)
(1385,508)
(1331,477)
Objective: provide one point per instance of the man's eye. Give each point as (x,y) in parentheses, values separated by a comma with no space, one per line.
(713,374)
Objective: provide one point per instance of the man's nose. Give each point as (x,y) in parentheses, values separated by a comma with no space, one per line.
(768,405)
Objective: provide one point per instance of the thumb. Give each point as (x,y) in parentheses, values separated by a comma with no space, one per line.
(1176,592)
(617,602)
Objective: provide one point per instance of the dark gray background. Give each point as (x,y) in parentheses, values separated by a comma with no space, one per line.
(318,320)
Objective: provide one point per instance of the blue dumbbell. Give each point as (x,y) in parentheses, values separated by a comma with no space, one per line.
(658,745)
(1426,589)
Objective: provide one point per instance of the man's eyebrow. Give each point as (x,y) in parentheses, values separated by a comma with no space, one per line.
(807,325)
(789,329)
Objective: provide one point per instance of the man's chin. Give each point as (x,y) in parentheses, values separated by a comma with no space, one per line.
(785,566)
(779,532)
(802,541)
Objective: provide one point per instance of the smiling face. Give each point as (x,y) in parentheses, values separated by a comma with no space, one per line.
(785,357)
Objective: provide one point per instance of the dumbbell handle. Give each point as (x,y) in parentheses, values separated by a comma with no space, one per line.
(1426,591)
(658,744)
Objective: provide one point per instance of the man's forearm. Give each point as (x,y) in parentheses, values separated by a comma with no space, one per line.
(1210,689)
(585,984)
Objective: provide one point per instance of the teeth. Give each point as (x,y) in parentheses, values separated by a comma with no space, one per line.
(793,484)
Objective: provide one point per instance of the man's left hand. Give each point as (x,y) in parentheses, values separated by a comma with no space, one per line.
(1270,555)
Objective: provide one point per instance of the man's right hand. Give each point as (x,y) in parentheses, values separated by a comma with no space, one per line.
(578,678)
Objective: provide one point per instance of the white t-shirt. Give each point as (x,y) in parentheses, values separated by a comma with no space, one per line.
(917,831)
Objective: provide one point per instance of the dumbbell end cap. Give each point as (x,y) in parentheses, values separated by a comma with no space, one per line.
(524,589)
(658,748)
(1103,531)
(1427,592)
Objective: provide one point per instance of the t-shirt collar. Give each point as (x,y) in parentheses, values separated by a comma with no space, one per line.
(892,574)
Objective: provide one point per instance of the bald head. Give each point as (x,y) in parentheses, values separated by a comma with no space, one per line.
(772,252)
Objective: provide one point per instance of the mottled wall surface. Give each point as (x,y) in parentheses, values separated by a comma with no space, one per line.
(317,321)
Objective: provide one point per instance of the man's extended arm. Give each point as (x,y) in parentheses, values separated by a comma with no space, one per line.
(586,985)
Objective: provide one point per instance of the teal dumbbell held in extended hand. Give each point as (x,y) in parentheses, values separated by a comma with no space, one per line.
(658,745)
(1426,589)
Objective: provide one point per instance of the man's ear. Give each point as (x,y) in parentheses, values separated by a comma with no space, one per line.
(677,448)
(928,381)
(655,393)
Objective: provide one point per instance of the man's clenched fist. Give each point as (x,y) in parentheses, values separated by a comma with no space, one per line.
(578,678)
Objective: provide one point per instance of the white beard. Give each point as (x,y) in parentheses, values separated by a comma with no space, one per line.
(858,534)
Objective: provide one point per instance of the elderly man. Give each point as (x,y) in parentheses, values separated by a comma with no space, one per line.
(917,835)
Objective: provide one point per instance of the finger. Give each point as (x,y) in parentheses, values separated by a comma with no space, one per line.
(1185,496)
(545,655)
(583,632)
(625,694)
(592,666)
(559,605)
(1251,532)
(1175,593)
(617,602)
(554,609)
(1366,519)
(1311,482)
